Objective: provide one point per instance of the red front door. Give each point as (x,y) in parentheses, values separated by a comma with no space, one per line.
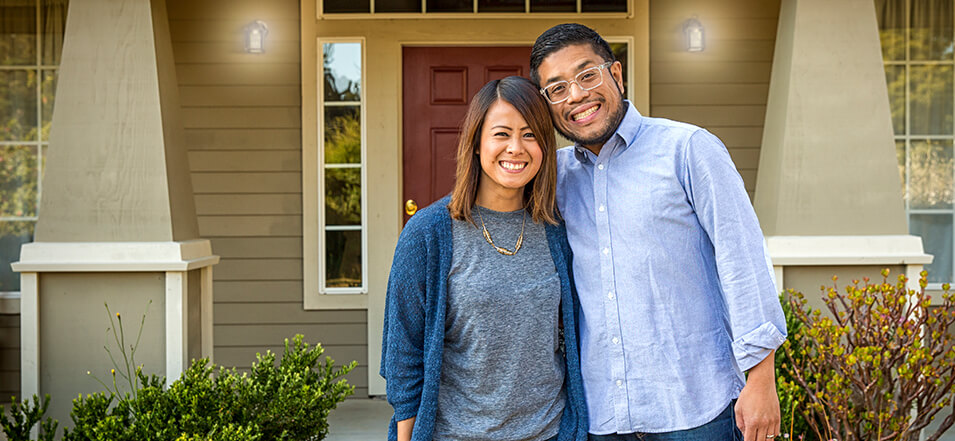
(438,85)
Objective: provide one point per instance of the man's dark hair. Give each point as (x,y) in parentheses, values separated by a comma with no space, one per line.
(561,36)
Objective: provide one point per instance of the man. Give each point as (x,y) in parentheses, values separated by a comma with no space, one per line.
(677,294)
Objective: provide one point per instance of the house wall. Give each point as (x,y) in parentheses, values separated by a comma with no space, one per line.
(241,114)
(724,88)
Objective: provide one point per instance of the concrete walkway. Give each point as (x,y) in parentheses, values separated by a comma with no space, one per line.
(359,419)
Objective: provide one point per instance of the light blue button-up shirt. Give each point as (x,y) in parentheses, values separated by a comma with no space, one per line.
(677,292)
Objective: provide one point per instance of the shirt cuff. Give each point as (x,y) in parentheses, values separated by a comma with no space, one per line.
(756,345)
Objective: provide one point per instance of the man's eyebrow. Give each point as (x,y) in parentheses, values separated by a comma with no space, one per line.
(580,67)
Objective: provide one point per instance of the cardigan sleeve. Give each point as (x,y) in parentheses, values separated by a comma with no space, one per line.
(402,358)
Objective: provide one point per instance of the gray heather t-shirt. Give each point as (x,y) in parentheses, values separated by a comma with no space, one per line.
(502,372)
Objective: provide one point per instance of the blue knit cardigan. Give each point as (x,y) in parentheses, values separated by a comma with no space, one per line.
(413,340)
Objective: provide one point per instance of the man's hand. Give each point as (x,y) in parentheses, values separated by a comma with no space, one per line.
(757,409)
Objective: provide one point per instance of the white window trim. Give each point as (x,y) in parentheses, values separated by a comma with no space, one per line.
(317,295)
(319,8)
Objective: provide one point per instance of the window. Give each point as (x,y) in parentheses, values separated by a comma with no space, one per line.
(342,251)
(31,41)
(410,7)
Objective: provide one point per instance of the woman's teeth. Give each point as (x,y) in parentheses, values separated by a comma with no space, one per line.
(513,165)
(585,113)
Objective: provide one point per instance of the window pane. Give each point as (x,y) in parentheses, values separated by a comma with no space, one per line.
(18,110)
(18,34)
(930,92)
(603,6)
(500,5)
(553,5)
(343,6)
(450,6)
(12,235)
(47,91)
(397,5)
(18,181)
(342,259)
(895,80)
(342,135)
(342,67)
(343,196)
(931,35)
(52,25)
(930,174)
(936,233)
(891,16)
(620,53)
(900,155)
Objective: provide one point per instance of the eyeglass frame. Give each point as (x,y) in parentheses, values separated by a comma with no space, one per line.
(600,68)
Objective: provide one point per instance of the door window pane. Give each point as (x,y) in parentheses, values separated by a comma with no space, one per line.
(900,155)
(343,196)
(603,6)
(47,92)
(930,100)
(12,235)
(343,259)
(891,16)
(620,53)
(342,134)
(936,233)
(342,71)
(450,6)
(930,174)
(52,25)
(18,34)
(18,109)
(18,181)
(397,5)
(553,5)
(346,6)
(930,37)
(500,5)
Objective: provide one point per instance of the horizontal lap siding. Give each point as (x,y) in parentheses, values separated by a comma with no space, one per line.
(242,119)
(9,357)
(724,88)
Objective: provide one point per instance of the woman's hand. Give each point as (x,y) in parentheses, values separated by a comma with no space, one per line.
(404,429)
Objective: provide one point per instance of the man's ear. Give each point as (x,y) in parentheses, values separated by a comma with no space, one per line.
(616,71)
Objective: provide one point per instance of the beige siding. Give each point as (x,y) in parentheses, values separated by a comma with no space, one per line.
(242,118)
(9,357)
(725,87)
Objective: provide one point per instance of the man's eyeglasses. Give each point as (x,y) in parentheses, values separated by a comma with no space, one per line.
(587,79)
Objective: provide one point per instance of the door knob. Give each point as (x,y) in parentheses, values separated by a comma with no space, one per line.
(411,207)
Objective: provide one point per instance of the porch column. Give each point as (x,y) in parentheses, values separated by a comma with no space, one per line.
(117,223)
(828,194)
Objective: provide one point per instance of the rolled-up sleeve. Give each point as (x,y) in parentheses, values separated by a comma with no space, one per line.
(745,272)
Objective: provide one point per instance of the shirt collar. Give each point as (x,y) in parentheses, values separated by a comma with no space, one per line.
(624,136)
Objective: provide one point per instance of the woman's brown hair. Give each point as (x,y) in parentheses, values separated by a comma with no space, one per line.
(540,192)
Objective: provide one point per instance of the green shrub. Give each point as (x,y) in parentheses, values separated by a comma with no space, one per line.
(792,397)
(285,401)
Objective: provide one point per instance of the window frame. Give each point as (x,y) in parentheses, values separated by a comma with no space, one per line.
(39,143)
(423,14)
(907,138)
(323,289)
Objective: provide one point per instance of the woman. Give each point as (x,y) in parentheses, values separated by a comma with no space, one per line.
(478,288)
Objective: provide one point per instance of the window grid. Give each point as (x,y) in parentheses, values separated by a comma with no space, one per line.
(39,69)
(323,227)
(527,13)
(907,137)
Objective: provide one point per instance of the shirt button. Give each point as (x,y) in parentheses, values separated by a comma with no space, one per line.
(606,250)
(600,166)
(602,208)
(615,340)
(610,295)
(619,383)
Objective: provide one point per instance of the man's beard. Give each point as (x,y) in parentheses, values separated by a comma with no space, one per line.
(614,120)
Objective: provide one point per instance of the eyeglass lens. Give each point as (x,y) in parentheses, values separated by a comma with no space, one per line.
(587,79)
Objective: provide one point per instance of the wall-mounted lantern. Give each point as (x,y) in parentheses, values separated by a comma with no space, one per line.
(255,34)
(693,35)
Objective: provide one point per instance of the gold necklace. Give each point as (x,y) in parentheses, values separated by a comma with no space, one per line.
(502,250)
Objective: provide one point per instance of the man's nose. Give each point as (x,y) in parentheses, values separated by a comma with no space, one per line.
(576,92)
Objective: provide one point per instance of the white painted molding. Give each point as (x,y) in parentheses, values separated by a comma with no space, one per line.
(177,325)
(115,256)
(29,335)
(847,250)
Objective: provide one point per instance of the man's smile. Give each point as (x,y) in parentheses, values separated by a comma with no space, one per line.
(585,113)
